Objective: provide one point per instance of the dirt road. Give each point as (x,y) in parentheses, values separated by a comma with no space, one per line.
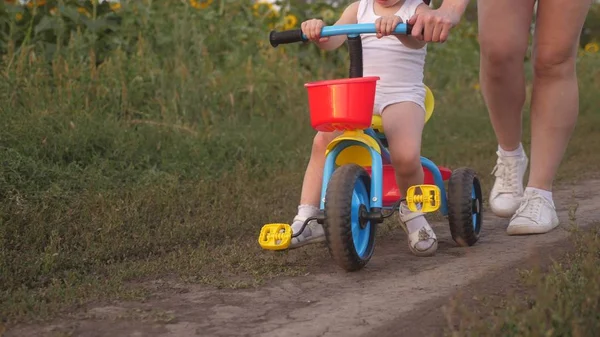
(397,294)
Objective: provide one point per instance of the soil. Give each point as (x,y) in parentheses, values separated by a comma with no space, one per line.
(396,294)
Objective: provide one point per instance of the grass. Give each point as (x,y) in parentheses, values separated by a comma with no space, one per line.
(562,301)
(165,159)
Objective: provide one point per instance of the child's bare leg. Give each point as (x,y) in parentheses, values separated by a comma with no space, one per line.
(311,192)
(403,125)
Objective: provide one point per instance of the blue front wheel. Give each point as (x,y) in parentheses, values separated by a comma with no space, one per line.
(350,237)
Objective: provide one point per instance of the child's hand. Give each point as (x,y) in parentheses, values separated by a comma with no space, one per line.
(312,30)
(385,25)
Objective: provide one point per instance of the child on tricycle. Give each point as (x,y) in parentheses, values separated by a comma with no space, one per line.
(398,60)
(366,156)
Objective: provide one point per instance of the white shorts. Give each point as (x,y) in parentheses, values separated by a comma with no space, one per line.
(383,99)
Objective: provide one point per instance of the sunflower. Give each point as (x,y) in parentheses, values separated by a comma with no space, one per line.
(290,21)
(115,6)
(36,3)
(592,48)
(200,4)
(82,10)
(270,10)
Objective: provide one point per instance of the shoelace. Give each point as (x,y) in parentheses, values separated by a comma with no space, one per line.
(530,209)
(508,176)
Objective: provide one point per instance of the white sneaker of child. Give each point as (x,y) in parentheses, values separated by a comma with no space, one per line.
(313,232)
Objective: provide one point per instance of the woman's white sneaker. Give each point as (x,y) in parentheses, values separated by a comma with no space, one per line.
(535,215)
(507,191)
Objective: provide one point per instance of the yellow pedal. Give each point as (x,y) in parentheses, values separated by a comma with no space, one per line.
(275,236)
(425,196)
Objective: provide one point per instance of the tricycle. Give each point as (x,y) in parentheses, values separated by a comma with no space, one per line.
(359,187)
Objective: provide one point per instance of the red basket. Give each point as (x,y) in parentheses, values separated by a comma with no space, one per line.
(344,104)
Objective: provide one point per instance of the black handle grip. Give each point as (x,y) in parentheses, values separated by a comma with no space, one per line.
(288,36)
(408,29)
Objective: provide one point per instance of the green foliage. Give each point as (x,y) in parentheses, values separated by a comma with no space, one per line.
(156,139)
(565,301)
(591,28)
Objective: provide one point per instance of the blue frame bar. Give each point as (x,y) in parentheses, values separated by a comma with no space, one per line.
(376,172)
(356,29)
(385,153)
(437,177)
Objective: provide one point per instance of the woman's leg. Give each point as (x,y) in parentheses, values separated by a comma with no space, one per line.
(503,37)
(554,108)
(403,126)
(311,193)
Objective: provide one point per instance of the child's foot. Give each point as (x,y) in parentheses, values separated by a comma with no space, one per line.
(421,238)
(507,191)
(536,215)
(313,232)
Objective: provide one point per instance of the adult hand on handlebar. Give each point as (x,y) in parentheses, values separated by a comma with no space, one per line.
(312,29)
(433,25)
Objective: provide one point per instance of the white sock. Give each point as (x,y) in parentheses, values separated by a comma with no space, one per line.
(544,193)
(304,212)
(307,211)
(514,153)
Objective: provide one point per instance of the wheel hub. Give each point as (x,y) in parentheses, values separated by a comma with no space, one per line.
(363,218)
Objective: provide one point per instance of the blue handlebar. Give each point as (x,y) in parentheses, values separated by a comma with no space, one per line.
(352,30)
(357,29)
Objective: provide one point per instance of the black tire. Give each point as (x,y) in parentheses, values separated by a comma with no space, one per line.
(465,213)
(339,214)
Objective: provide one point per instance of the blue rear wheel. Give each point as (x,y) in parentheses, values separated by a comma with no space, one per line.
(465,206)
(350,237)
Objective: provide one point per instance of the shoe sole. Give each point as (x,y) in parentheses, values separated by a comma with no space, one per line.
(309,241)
(527,230)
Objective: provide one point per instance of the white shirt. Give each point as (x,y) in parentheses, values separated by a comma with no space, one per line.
(399,67)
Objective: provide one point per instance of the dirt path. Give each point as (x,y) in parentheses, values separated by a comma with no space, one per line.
(380,300)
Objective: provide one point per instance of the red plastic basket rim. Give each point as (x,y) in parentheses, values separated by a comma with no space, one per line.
(342,81)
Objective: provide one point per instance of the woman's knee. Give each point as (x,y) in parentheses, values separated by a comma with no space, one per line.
(498,60)
(554,62)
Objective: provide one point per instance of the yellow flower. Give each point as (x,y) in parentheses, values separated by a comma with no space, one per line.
(290,21)
(476,86)
(200,4)
(19,16)
(84,11)
(36,3)
(270,11)
(115,6)
(592,47)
